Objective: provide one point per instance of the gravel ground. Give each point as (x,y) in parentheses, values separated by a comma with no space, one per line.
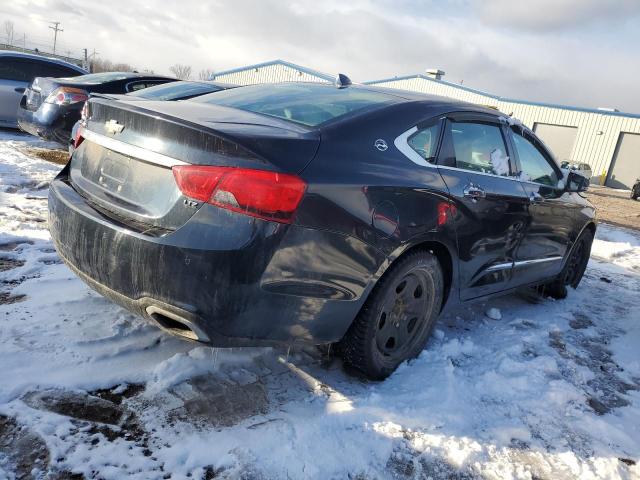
(615,207)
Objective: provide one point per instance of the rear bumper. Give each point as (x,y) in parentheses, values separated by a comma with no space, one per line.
(235,279)
(50,122)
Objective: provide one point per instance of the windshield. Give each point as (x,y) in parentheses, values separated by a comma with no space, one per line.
(176,90)
(308,104)
(100,77)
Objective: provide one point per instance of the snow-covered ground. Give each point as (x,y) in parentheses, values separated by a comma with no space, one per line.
(542,390)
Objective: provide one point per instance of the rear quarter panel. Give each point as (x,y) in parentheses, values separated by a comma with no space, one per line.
(380,198)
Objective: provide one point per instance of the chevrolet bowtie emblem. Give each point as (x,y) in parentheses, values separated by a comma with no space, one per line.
(113,127)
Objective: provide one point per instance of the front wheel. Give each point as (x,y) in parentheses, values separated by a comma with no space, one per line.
(395,322)
(573,270)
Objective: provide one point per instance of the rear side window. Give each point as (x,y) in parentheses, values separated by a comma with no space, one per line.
(307,104)
(535,166)
(425,142)
(479,147)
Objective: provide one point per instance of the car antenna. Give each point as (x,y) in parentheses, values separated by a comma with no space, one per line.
(342,81)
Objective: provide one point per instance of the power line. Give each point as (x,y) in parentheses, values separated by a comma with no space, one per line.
(55,33)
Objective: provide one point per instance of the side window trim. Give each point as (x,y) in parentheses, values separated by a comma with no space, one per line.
(401,142)
(482,118)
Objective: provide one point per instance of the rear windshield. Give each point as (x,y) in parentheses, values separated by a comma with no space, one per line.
(101,77)
(307,104)
(176,90)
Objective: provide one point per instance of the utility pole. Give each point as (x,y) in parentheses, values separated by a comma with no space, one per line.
(85,64)
(93,59)
(55,29)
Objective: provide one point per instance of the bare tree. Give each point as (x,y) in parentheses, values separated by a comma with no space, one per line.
(183,72)
(206,74)
(9,30)
(102,65)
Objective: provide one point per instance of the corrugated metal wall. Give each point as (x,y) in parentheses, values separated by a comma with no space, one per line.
(591,146)
(267,74)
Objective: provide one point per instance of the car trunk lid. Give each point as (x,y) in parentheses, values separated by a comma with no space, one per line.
(123,166)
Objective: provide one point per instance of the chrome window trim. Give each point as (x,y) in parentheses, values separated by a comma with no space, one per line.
(515,179)
(402,143)
(131,150)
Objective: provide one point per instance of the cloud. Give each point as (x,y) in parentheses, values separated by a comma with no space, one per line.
(547,15)
(367,40)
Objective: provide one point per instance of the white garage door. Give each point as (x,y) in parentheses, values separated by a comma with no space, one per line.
(559,138)
(625,167)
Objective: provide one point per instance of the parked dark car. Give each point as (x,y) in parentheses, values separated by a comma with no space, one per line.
(182,90)
(302,212)
(17,71)
(51,106)
(635,190)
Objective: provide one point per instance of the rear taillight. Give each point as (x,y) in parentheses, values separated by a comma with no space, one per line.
(67,96)
(78,138)
(259,193)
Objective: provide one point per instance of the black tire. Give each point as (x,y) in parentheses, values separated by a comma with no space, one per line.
(397,318)
(573,270)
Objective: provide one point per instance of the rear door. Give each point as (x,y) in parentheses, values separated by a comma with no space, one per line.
(491,204)
(551,211)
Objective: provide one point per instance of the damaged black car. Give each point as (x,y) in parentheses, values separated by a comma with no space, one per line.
(285,213)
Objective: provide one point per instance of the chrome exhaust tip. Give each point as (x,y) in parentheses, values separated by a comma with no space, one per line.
(175,324)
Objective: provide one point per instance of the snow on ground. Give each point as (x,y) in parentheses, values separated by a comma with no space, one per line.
(550,390)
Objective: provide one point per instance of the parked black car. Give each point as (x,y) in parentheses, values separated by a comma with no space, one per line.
(309,213)
(635,190)
(181,90)
(51,106)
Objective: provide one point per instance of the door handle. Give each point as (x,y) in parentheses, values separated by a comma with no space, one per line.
(535,197)
(474,192)
(19,89)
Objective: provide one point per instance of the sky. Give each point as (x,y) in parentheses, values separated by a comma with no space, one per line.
(574,52)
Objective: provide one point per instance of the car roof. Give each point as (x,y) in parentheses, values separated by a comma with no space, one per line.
(42,58)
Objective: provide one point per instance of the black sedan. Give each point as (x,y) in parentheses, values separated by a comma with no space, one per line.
(309,213)
(182,90)
(51,106)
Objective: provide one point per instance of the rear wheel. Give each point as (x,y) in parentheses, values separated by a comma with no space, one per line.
(573,270)
(398,316)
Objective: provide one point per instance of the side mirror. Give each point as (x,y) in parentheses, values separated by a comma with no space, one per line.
(576,182)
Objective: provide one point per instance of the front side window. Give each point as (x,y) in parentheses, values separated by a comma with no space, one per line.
(479,147)
(535,166)
(425,142)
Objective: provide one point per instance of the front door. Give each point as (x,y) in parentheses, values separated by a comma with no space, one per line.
(551,211)
(491,205)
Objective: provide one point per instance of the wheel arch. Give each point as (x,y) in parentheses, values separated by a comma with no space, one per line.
(444,253)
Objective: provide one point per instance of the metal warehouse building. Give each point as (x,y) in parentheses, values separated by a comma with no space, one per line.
(609,141)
